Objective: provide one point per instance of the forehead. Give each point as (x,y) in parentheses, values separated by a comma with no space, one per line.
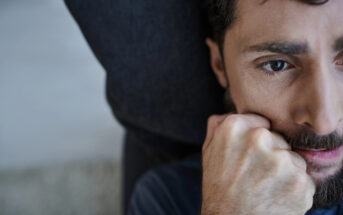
(285,20)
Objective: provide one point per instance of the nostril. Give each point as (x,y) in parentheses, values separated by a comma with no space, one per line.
(307,124)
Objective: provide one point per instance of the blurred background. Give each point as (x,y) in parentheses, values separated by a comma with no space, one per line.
(60,146)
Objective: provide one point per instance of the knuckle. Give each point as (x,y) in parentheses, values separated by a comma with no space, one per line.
(301,163)
(212,123)
(212,119)
(232,119)
(255,145)
(302,179)
(258,137)
(221,134)
(232,123)
(300,183)
(283,156)
(280,161)
(259,134)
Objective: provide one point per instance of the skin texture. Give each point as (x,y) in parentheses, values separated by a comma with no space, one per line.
(263,175)
(247,167)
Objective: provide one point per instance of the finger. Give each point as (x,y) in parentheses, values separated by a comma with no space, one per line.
(311,186)
(234,124)
(256,121)
(212,123)
(278,142)
(298,161)
(238,125)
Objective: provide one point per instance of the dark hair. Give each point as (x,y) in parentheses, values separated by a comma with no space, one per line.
(221,15)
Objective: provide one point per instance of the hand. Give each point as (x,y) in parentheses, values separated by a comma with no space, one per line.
(248,169)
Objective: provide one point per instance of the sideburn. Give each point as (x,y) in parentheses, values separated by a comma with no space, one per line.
(228,102)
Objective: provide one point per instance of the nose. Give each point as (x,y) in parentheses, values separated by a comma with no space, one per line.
(319,105)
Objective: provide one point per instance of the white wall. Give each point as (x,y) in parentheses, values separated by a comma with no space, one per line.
(52,101)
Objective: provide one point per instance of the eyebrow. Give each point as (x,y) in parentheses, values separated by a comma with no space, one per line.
(287,48)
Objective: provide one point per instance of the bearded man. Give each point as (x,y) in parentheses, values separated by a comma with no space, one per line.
(280,149)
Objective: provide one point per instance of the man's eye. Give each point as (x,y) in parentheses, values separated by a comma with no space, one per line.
(275,66)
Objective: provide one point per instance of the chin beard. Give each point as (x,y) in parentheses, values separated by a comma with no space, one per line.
(329,192)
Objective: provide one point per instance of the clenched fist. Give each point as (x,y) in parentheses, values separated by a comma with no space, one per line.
(247,169)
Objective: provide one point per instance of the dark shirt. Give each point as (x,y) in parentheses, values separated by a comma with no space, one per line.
(175,189)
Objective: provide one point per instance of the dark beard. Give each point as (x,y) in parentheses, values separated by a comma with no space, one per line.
(308,139)
(330,191)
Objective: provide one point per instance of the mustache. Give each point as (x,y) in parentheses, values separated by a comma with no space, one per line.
(305,139)
(308,139)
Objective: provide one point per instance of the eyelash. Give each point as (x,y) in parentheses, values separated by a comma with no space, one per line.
(273,73)
(268,63)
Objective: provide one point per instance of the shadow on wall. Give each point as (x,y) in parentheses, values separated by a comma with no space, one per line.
(60,147)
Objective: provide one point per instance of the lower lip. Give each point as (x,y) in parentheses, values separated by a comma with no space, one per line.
(321,157)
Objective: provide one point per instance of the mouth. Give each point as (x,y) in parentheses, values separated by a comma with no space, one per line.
(321,157)
(321,163)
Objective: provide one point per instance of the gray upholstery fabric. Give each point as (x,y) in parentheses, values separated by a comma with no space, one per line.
(158,74)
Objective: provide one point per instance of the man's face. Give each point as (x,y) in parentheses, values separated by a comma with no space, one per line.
(283,59)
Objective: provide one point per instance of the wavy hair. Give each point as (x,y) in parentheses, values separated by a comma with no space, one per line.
(221,15)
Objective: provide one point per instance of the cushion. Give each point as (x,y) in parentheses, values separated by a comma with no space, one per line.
(158,74)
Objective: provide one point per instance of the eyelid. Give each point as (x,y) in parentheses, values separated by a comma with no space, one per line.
(263,59)
(265,62)
(261,66)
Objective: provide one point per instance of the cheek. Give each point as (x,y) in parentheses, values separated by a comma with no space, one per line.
(249,99)
(255,92)
(251,96)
